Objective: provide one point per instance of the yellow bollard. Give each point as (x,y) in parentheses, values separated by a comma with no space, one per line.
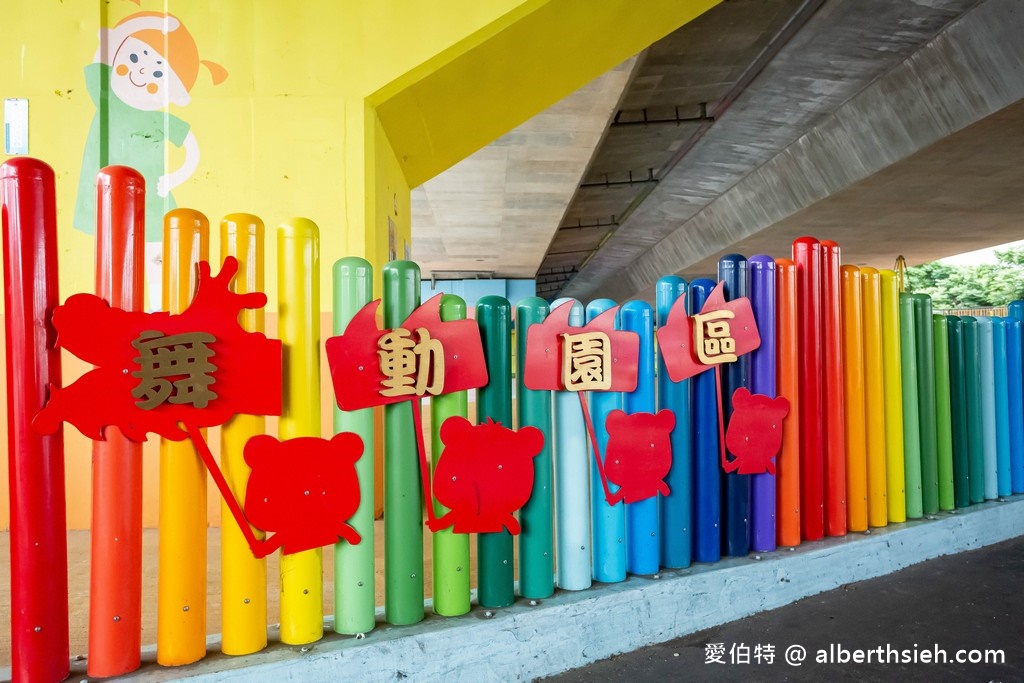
(181,587)
(892,367)
(298,327)
(243,577)
(853,367)
(874,389)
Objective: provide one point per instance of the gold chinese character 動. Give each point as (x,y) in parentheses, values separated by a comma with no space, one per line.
(410,367)
(586,362)
(173,369)
(712,338)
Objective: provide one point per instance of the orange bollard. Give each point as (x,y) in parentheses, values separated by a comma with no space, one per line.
(243,578)
(787,468)
(181,587)
(832,391)
(874,396)
(856,427)
(115,581)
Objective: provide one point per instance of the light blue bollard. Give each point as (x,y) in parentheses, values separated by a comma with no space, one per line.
(642,542)
(572,477)
(609,532)
(677,507)
(988,405)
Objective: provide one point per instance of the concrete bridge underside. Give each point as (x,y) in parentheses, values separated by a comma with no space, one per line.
(890,126)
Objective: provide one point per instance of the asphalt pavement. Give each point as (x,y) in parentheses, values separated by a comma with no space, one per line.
(908,626)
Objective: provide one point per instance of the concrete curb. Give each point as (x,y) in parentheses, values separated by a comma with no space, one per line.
(573,629)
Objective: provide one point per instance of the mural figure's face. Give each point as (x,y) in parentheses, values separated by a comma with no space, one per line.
(143,79)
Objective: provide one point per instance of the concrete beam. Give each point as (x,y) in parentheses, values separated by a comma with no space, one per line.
(965,73)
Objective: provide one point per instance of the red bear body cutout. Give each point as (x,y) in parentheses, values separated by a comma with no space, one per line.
(304,489)
(484,475)
(639,454)
(754,435)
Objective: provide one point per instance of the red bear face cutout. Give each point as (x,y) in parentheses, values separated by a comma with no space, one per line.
(484,475)
(754,435)
(303,489)
(639,454)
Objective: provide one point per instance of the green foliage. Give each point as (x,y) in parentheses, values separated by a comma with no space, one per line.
(971,286)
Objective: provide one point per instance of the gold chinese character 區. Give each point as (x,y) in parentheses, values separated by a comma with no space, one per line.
(586,362)
(162,359)
(712,338)
(410,368)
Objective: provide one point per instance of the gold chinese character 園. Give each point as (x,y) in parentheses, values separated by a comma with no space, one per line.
(586,362)
(410,368)
(173,369)
(712,339)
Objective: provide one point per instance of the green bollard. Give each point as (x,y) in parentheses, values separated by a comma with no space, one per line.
(451,550)
(943,413)
(958,412)
(495,581)
(926,403)
(911,407)
(975,418)
(354,597)
(403,497)
(536,540)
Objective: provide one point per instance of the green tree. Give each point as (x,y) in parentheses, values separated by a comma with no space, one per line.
(971,286)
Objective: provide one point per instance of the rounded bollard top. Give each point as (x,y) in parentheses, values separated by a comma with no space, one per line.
(806,242)
(576,312)
(185,219)
(298,228)
(120,175)
(28,168)
(242,224)
(453,307)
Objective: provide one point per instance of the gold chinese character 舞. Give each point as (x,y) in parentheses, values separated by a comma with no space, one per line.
(410,367)
(712,338)
(173,369)
(586,362)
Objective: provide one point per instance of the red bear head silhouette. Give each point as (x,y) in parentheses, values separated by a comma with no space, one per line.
(303,489)
(754,435)
(485,473)
(639,454)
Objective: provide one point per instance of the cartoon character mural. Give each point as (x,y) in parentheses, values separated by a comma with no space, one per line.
(145,63)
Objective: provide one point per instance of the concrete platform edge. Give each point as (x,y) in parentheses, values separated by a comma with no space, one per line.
(570,630)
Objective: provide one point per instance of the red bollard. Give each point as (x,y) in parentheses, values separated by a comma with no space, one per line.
(39,551)
(115,588)
(834,379)
(807,256)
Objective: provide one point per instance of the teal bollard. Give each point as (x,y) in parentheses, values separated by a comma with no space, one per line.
(495,581)
(536,540)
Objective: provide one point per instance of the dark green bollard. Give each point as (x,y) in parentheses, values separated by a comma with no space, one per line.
(536,540)
(975,419)
(495,578)
(958,412)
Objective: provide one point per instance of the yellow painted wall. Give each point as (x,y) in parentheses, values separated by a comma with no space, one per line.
(332,110)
